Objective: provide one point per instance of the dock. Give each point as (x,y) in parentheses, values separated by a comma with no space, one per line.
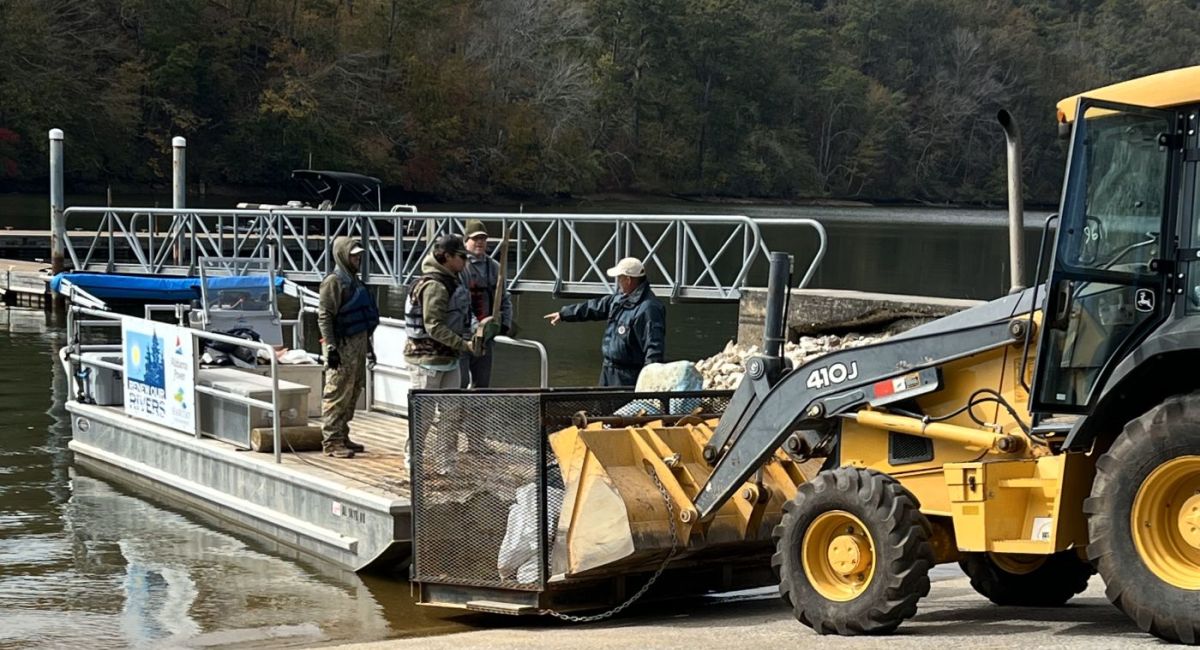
(24,282)
(185,432)
(355,513)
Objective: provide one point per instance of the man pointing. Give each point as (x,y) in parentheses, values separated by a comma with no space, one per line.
(637,324)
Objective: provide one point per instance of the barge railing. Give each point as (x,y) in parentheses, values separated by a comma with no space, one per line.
(389,342)
(99,318)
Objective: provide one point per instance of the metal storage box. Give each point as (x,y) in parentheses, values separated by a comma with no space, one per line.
(104,386)
(230,420)
(309,374)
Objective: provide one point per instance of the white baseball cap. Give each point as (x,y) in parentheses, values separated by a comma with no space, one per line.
(630,266)
(356,249)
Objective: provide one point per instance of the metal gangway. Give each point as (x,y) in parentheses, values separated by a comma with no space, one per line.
(688,257)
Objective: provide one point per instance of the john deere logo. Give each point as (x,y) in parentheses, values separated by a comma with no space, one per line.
(1143,300)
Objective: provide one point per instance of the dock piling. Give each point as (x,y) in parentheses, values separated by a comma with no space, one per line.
(57,202)
(179,192)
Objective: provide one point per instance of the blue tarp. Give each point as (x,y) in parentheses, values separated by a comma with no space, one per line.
(240,282)
(146,288)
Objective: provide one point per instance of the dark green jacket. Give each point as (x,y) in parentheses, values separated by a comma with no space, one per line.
(435,309)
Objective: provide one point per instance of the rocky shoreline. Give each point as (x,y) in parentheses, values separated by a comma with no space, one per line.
(724,370)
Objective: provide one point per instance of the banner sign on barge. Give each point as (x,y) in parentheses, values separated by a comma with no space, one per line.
(158,373)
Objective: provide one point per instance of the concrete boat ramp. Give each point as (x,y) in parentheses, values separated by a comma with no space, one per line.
(355,513)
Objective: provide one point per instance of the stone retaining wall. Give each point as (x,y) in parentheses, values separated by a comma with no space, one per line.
(813,312)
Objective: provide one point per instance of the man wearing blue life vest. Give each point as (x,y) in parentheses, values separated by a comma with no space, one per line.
(637,324)
(347,316)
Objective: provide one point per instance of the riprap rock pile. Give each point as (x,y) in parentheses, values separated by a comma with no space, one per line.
(725,369)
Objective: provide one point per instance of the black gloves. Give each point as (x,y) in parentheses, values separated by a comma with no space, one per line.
(333,359)
(371,358)
(504,329)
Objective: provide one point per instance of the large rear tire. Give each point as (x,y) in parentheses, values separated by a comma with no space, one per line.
(1144,520)
(1027,580)
(853,553)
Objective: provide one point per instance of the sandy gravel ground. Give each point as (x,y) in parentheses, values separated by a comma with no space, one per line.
(952,616)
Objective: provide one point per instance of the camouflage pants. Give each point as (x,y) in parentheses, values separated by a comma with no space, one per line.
(342,388)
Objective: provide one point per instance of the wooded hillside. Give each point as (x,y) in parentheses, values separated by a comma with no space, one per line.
(871,99)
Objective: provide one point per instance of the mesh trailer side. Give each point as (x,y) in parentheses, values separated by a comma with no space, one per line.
(486,491)
(477,473)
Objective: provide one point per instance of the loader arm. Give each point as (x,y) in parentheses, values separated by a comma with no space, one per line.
(762,413)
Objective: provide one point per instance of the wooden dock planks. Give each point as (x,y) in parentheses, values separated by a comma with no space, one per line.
(382,468)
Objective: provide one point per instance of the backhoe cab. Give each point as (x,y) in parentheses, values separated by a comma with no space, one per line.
(1035,440)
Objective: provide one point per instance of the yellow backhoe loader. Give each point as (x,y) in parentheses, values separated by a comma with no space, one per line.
(1035,440)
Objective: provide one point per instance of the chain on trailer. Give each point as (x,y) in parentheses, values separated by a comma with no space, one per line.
(649,583)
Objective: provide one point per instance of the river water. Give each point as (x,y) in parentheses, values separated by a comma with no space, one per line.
(85,562)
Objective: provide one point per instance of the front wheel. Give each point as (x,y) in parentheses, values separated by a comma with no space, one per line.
(1144,520)
(853,553)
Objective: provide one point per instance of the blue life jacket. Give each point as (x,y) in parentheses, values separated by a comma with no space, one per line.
(358,314)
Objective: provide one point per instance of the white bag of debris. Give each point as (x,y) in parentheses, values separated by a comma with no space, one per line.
(296,357)
(518,557)
(663,378)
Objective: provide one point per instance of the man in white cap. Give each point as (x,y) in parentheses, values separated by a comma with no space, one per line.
(637,324)
(347,316)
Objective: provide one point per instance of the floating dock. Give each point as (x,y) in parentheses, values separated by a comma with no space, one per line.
(147,411)
(24,283)
(352,512)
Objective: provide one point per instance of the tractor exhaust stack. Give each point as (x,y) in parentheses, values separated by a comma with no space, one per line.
(774,334)
(1016,210)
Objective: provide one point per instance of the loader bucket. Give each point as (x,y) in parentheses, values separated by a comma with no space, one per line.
(618,482)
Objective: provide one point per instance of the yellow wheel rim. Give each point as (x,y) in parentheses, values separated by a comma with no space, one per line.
(1165,521)
(1017,563)
(838,555)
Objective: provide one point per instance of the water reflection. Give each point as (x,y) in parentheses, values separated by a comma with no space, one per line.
(25,321)
(184,584)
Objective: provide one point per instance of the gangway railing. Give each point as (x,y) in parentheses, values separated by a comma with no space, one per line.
(688,257)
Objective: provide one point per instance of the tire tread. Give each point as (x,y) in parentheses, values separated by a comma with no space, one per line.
(907,539)
(1153,605)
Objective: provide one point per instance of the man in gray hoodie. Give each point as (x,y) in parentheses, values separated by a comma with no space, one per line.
(347,317)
